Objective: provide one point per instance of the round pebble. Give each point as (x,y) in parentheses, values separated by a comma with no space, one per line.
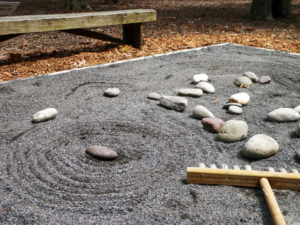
(44,115)
(265,80)
(213,125)
(235,110)
(200,112)
(243,81)
(283,115)
(297,109)
(192,92)
(233,130)
(154,95)
(260,146)
(200,77)
(252,76)
(297,132)
(112,92)
(243,98)
(227,104)
(206,87)
(174,102)
(101,152)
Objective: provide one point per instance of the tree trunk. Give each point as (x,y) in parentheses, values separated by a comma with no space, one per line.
(267,9)
(77,4)
(281,8)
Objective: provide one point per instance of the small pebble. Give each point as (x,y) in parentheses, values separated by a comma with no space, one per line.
(44,115)
(154,95)
(235,110)
(227,104)
(243,98)
(265,80)
(252,76)
(101,152)
(199,77)
(233,130)
(260,146)
(283,115)
(192,92)
(200,112)
(206,87)
(174,102)
(297,132)
(213,125)
(297,109)
(243,81)
(112,92)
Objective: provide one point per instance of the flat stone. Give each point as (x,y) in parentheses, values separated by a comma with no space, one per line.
(174,102)
(243,81)
(243,98)
(227,104)
(283,115)
(213,125)
(112,92)
(206,87)
(252,76)
(101,152)
(233,130)
(44,115)
(154,95)
(200,112)
(199,77)
(192,92)
(297,132)
(260,146)
(265,80)
(297,109)
(236,110)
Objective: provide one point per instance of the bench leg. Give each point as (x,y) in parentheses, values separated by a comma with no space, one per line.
(132,34)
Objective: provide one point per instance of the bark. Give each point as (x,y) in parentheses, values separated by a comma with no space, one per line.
(281,8)
(77,4)
(267,9)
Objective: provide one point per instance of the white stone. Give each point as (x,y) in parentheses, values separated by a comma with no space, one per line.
(233,130)
(297,132)
(192,92)
(297,108)
(252,76)
(174,102)
(235,110)
(112,92)
(199,77)
(44,115)
(242,98)
(283,115)
(243,81)
(206,87)
(202,112)
(154,95)
(260,146)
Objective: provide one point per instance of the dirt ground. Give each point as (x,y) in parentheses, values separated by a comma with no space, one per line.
(180,25)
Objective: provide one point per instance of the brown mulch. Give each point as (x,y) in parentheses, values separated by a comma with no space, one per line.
(180,25)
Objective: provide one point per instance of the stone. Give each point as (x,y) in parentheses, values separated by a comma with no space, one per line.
(236,110)
(206,87)
(252,76)
(199,77)
(227,104)
(174,102)
(243,81)
(101,152)
(297,132)
(112,92)
(233,130)
(260,146)
(265,80)
(243,98)
(213,125)
(154,95)
(192,92)
(297,109)
(283,115)
(44,115)
(200,112)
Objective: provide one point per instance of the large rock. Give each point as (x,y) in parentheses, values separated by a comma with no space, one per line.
(233,130)
(260,146)
(44,115)
(174,102)
(213,125)
(283,115)
(243,98)
(200,112)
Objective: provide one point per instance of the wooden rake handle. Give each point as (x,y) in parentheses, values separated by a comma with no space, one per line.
(277,216)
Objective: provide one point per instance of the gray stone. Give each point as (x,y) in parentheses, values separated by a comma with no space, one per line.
(174,102)
(243,98)
(200,77)
(44,115)
(260,146)
(233,130)
(235,110)
(206,87)
(297,132)
(101,152)
(283,115)
(213,125)
(252,76)
(200,112)
(265,80)
(112,92)
(227,104)
(243,81)
(154,95)
(192,92)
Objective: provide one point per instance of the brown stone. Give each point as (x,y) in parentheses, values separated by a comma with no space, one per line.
(213,125)
(101,152)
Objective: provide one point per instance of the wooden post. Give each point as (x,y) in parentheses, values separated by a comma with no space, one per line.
(132,34)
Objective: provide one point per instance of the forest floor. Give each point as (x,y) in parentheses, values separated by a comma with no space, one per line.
(180,25)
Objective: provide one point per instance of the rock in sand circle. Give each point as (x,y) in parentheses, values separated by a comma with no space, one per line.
(112,92)
(154,95)
(265,80)
(243,81)
(213,125)
(233,130)
(192,92)
(252,76)
(200,112)
(44,115)
(297,132)
(235,110)
(199,77)
(243,98)
(101,152)
(174,102)
(260,146)
(206,87)
(283,115)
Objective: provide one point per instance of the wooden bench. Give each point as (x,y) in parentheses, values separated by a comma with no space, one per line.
(75,23)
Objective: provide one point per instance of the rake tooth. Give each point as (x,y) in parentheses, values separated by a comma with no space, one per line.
(213,166)
(295,171)
(202,165)
(248,167)
(236,167)
(271,169)
(282,170)
(225,166)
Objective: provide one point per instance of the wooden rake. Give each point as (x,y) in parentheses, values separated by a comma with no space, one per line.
(266,180)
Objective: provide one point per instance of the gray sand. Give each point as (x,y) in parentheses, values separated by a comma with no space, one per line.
(47,178)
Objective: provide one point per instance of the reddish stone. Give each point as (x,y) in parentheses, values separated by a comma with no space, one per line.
(213,125)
